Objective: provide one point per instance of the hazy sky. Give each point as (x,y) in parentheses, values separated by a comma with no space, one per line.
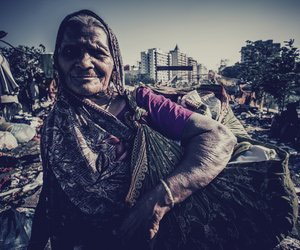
(208,30)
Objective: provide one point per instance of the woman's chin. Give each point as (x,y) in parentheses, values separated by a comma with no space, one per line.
(88,88)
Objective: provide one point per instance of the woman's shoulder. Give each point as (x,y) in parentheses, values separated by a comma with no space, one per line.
(138,92)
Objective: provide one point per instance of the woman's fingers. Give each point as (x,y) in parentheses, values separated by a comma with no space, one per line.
(144,219)
(137,221)
(154,224)
(153,230)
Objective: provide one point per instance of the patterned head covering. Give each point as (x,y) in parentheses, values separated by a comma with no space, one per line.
(118,74)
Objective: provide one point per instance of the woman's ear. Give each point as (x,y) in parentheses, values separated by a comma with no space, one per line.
(113,77)
(111,87)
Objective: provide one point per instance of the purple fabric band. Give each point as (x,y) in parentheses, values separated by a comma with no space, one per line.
(164,115)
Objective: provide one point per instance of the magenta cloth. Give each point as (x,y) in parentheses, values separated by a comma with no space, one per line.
(165,116)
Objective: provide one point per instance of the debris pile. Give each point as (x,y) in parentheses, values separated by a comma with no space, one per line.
(21,178)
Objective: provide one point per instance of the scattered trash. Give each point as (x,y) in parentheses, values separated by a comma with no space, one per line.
(22,132)
(7,141)
(15,228)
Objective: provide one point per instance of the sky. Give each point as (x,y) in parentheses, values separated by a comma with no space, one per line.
(207,30)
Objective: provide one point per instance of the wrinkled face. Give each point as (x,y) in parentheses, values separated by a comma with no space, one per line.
(85,60)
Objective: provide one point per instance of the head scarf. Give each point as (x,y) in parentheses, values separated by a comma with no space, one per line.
(118,73)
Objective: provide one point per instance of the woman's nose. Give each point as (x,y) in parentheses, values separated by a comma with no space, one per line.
(85,61)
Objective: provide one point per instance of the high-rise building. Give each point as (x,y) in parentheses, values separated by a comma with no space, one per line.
(154,57)
(202,72)
(144,65)
(192,75)
(179,59)
(150,60)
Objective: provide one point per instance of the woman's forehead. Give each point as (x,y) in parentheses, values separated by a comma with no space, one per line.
(85,33)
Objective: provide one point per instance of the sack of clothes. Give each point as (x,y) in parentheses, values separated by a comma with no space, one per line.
(251,204)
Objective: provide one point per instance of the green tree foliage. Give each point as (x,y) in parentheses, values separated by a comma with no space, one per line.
(232,71)
(271,70)
(283,74)
(24,63)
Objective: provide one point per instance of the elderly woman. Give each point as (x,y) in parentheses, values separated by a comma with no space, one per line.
(92,153)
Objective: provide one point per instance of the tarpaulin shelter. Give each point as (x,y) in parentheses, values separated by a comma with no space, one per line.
(8,86)
(8,90)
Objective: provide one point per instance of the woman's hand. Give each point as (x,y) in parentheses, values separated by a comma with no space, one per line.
(146,215)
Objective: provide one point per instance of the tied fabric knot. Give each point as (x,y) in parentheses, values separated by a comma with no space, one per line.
(139,114)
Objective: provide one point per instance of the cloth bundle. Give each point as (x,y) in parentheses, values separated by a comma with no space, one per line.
(250,205)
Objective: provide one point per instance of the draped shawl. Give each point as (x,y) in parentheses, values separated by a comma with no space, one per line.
(83,155)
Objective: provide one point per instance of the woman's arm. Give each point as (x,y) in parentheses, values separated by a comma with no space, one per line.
(207,149)
(208,146)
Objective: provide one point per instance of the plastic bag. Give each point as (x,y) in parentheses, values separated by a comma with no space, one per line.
(7,141)
(15,228)
(22,132)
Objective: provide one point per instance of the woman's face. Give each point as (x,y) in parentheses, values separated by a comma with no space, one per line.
(85,60)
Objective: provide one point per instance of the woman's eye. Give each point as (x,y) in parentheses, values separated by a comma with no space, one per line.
(71,51)
(97,53)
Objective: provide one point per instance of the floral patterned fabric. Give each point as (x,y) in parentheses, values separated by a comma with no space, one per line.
(84,156)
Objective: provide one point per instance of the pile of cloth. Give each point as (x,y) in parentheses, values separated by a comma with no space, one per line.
(21,179)
(23,130)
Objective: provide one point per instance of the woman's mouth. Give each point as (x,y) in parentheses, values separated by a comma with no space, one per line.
(85,76)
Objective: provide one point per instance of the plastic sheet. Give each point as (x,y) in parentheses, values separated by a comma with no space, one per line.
(22,132)
(7,141)
(15,228)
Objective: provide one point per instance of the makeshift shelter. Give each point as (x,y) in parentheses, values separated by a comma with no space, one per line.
(8,86)
(9,103)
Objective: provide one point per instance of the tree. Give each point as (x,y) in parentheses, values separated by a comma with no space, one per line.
(26,68)
(24,63)
(270,70)
(231,71)
(282,78)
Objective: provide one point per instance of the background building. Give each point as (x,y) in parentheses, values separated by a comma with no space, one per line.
(202,72)
(267,49)
(179,59)
(192,75)
(154,57)
(144,65)
(150,60)
(132,74)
